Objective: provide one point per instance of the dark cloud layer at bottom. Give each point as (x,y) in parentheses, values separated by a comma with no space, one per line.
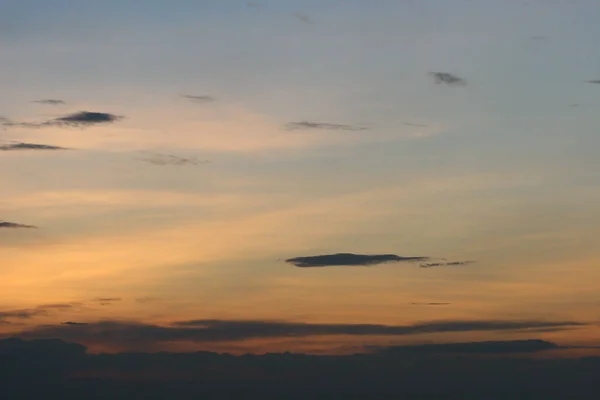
(53,369)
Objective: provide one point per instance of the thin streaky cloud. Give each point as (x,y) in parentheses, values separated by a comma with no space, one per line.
(350,259)
(29,146)
(53,102)
(14,225)
(322,125)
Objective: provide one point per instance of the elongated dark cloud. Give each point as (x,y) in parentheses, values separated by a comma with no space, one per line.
(14,225)
(170,159)
(53,102)
(448,79)
(348,259)
(489,347)
(199,99)
(86,118)
(446,264)
(430,304)
(322,125)
(74,323)
(39,311)
(210,331)
(597,81)
(29,146)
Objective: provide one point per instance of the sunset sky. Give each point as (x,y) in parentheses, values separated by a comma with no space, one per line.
(246,134)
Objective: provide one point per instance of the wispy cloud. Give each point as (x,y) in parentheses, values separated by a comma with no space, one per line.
(597,81)
(448,79)
(350,259)
(170,159)
(302,17)
(322,125)
(6,224)
(74,323)
(446,264)
(78,119)
(53,102)
(29,146)
(200,99)
(430,304)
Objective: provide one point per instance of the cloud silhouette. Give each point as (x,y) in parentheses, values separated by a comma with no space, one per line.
(74,323)
(489,347)
(6,224)
(170,159)
(119,333)
(446,264)
(29,146)
(448,79)
(349,259)
(430,304)
(53,102)
(322,125)
(107,299)
(85,118)
(594,81)
(200,99)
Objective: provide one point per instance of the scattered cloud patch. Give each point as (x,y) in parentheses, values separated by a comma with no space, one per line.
(350,259)
(292,126)
(200,99)
(302,17)
(170,159)
(6,224)
(430,304)
(53,102)
(74,323)
(148,299)
(29,146)
(446,264)
(597,81)
(448,79)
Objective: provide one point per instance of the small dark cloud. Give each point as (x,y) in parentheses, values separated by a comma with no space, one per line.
(322,125)
(302,17)
(597,81)
(448,79)
(53,102)
(106,301)
(74,323)
(349,259)
(29,146)
(430,304)
(170,159)
(85,118)
(6,224)
(446,264)
(200,99)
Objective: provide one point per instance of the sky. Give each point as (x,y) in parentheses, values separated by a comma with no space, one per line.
(195,149)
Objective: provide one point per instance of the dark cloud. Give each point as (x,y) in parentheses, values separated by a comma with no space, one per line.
(322,125)
(446,264)
(348,259)
(53,102)
(170,159)
(430,304)
(23,314)
(448,79)
(490,347)
(200,99)
(29,146)
(85,118)
(210,331)
(74,323)
(595,81)
(6,224)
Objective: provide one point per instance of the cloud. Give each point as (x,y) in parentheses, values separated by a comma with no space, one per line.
(29,146)
(39,311)
(347,259)
(446,264)
(59,306)
(118,333)
(448,79)
(53,102)
(489,347)
(85,118)
(430,304)
(200,99)
(170,159)
(148,299)
(302,17)
(6,224)
(594,81)
(107,299)
(322,125)
(74,323)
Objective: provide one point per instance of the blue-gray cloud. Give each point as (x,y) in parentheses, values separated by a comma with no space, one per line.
(350,259)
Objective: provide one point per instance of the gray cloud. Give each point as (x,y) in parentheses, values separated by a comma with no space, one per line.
(418,125)
(490,347)
(85,118)
(594,81)
(170,159)
(448,79)
(430,304)
(302,17)
(200,99)
(120,333)
(74,323)
(29,146)
(53,102)
(446,264)
(322,125)
(348,259)
(6,224)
